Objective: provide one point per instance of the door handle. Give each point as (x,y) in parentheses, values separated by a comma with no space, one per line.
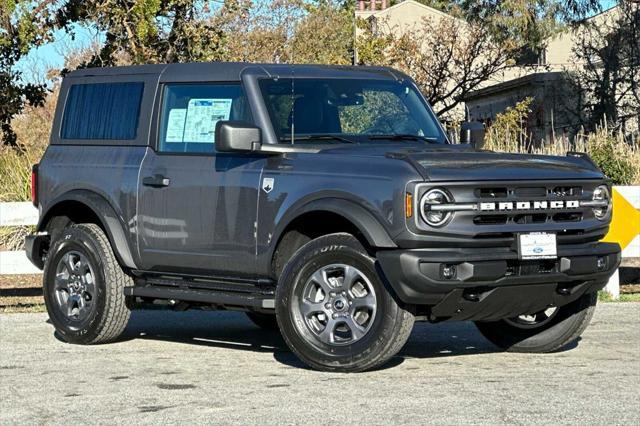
(156,181)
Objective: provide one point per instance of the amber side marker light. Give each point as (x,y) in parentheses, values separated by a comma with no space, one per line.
(408,205)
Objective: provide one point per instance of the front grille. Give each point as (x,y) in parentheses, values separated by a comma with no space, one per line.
(484,193)
(490,219)
(567,217)
(532,194)
(528,192)
(498,226)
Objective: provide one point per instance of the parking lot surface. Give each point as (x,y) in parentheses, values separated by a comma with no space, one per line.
(216,367)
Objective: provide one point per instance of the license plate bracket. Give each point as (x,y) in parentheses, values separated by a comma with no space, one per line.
(537,245)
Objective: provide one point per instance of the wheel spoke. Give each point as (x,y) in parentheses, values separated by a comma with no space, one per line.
(357,331)
(351,274)
(68,261)
(72,302)
(90,289)
(308,307)
(61,282)
(83,306)
(320,278)
(368,301)
(83,266)
(327,334)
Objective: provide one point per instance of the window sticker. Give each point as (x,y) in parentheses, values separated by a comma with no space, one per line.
(175,125)
(202,116)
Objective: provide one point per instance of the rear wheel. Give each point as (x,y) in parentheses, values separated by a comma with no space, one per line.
(334,310)
(545,331)
(84,287)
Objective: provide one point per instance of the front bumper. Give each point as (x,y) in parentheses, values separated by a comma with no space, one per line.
(492,283)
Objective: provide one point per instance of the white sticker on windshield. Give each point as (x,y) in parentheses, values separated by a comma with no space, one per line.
(202,116)
(175,125)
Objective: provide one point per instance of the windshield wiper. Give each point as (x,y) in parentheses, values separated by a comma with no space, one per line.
(404,137)
(317,137)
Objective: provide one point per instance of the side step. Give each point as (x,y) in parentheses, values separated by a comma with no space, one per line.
(258,295)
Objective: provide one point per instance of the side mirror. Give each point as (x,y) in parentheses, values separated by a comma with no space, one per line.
(472,132)
(233,136)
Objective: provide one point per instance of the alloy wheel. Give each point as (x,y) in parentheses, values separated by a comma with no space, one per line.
(75,288)
(338,304)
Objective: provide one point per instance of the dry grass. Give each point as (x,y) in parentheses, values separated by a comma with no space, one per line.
(32,128)
(12,237)
(618,159)
(15,185)
(15,169)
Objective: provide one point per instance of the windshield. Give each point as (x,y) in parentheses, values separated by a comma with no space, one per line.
(348,110)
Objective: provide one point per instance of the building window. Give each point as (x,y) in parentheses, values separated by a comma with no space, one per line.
(529,56)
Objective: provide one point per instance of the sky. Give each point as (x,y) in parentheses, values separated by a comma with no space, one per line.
(51,56)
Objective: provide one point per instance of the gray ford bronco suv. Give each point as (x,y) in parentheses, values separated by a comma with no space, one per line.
(325,201)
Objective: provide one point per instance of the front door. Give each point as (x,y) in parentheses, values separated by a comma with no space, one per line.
(197,207)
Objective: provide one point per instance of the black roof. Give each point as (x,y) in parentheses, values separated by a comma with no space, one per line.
(231,71)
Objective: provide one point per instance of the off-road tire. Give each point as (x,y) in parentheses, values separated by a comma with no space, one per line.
(264,321)
(390,327)
(111,315)
(566,326)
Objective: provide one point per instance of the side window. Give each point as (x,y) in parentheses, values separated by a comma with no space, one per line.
(190,113)
(106,111)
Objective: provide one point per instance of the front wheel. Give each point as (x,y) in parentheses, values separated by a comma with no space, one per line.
(334,310)
(545,331)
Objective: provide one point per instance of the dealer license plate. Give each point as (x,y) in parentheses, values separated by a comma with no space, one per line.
(537,245)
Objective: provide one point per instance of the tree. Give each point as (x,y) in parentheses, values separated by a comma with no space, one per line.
(23,26)
(447,57)
(527,23)
(154,31)
(293,31)
(606,84)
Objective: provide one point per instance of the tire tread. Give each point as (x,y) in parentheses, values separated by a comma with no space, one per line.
(117,313)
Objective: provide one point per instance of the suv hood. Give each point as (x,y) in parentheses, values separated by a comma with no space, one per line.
(462,163)
(481,166)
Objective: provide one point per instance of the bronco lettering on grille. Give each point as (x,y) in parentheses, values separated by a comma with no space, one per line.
(530,205)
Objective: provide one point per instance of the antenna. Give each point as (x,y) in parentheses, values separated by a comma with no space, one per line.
(293,106)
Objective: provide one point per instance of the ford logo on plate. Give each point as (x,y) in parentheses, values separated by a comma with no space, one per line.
(538,250)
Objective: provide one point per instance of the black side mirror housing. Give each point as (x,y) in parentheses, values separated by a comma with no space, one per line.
(234,136)
(472,132)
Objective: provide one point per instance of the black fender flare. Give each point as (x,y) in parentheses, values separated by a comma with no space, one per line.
(110,221)
(370,227)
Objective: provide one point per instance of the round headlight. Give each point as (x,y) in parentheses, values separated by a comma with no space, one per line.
(432,198)
(601,193)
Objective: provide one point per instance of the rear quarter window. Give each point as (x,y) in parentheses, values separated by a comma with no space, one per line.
(102,111)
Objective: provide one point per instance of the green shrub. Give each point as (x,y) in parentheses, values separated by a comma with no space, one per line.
(617,160)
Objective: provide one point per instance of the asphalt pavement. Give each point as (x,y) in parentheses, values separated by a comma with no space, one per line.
(200,367)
